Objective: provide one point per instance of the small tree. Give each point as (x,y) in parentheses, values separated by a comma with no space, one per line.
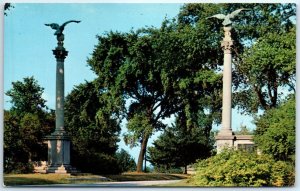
(25,124)
(125,161)
(179,146)
(276,131)
(94,129)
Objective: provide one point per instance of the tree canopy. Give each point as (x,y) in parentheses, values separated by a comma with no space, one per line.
(268,68)
(26,97)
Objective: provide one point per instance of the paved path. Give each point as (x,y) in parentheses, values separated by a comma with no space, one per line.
(112,184)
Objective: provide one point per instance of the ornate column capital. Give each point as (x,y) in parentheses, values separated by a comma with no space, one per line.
(60,53)
(227,42)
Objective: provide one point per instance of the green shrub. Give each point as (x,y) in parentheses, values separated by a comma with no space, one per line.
(283,174)
(237,168)
(19,168)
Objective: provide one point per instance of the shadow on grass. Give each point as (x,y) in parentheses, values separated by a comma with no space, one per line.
(16,181)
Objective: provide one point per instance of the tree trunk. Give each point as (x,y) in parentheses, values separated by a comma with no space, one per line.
(139,167)
(145,166)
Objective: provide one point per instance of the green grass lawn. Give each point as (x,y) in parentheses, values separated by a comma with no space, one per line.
(146,176)
(34,179)
(40,179)
(182,183)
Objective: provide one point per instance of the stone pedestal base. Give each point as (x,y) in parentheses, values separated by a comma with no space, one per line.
(63,169)
(59,153)
(234,141)
(224,141)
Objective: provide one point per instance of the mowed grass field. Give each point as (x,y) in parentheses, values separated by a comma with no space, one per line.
(34,179)
(133,176)
(42,179)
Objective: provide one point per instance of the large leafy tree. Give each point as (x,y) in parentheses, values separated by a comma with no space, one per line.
(94,129)
(158,72)
(26,124)
(124,65)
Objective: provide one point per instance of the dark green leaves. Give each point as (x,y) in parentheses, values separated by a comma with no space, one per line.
(94,128)
(25,126)
(275,133)
(26,96)
(268,66)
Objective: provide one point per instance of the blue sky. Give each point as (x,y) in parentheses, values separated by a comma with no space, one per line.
(28,43)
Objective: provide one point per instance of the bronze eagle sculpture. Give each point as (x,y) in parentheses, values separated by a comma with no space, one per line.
(60,29)
(227,17)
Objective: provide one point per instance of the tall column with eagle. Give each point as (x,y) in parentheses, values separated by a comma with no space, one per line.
(59,142)
(225,137)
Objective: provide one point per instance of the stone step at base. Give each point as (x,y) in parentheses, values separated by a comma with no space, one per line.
(39,170)
(62,170)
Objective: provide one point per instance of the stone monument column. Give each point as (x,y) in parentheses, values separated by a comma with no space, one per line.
(59,141)
(225,137)
(226,44)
